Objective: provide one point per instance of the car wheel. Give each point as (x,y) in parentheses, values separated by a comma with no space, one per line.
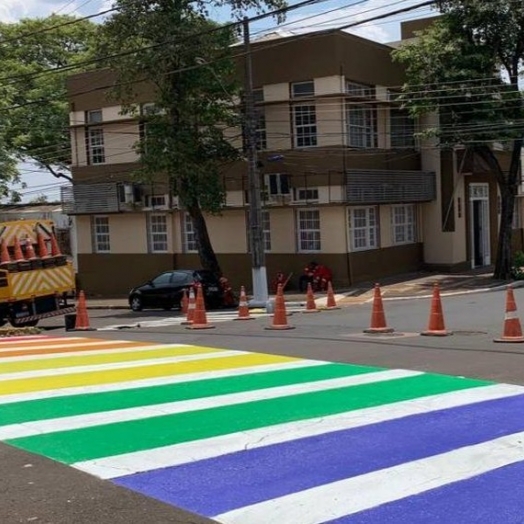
(136,303)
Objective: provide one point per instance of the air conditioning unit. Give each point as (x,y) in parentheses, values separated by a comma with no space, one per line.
(160,203)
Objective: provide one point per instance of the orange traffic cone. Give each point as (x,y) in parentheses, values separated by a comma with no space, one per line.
(19,256)
(512,327)
(42,248)
(55,250)
(331,302)
(436,327)
(4,253)
(190,307)
(30,252)
(200,317)
(280,316)
(378,317)
(82,318)
(243,308)
(311,306)
(184,302)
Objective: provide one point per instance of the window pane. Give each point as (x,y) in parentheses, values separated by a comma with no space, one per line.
(403,219)
(158,233)
(101,234)
(309,230)
(305,125)
(190,243)
(363,226)
(302,89)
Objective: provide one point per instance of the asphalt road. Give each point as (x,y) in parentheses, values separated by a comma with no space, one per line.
(35,489)
(475,320)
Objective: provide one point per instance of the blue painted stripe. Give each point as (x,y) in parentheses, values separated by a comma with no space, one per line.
(495,497)
(228,482)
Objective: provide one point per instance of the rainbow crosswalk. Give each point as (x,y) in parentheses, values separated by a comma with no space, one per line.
(250,438)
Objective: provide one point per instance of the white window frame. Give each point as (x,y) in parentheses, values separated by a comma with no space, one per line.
(101,234)
(95,116)
(157,231)
(355,89)
(404,224)
(310,93)
(95,145)
(308,235)
(305,125)
(188,235)
(361,126)
(401,129)
(305,194)
(369,231)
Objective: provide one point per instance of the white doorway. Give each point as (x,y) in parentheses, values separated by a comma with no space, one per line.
(479,225)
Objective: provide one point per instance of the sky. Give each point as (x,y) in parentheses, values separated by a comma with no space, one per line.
(327,14)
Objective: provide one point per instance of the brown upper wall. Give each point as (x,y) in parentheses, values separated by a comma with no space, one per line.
(409,28)
(283,60)
(92,90)
(316,55)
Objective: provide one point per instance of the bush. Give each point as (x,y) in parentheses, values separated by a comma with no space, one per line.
(517,268)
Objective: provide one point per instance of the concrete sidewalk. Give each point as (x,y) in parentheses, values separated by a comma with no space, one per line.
(400,287)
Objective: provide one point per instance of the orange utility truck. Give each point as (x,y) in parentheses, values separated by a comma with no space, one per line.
(36,279)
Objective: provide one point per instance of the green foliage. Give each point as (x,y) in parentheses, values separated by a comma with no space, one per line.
(466,68)
(184,137)
(518,266)
(34,114)
(171,54)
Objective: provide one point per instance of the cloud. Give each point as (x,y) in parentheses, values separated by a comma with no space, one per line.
(333,15)
(13,10)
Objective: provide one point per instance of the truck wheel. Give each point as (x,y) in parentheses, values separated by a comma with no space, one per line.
(23,323)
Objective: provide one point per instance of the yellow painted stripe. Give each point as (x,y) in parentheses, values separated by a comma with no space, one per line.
(88,360)
(92,378)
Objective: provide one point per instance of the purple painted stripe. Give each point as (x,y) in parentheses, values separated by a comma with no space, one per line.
(221,484)
(495,497)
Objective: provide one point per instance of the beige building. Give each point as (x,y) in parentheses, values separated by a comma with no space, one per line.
(352,190)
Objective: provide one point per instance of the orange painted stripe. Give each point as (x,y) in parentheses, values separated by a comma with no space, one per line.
(15,344)
(78,349)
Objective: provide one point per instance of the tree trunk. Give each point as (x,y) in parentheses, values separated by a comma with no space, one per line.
(207,255)
(503,263)
(508,187)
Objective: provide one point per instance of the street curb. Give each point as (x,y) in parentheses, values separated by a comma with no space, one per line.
(109,307)
(515,284)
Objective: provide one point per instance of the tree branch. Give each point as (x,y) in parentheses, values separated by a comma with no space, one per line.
(58,174)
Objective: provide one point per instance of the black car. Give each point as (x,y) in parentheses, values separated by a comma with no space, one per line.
(166,290)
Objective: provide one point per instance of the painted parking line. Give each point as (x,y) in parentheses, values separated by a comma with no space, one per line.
(249,437)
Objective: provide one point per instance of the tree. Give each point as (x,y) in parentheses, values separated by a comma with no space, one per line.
(34,113)
(466,67)
(194,85)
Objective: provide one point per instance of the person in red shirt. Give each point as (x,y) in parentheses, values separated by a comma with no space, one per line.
(307,277)
(321,276)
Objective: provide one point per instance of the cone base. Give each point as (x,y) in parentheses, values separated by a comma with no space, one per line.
(511,340)
(287,326)
(431,333)
(186,323)
(201,326)
(379,330)
(244,318)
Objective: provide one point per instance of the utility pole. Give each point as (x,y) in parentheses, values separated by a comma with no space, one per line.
(260,287)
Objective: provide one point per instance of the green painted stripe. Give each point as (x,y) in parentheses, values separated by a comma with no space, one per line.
(28,411)
(125,437)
